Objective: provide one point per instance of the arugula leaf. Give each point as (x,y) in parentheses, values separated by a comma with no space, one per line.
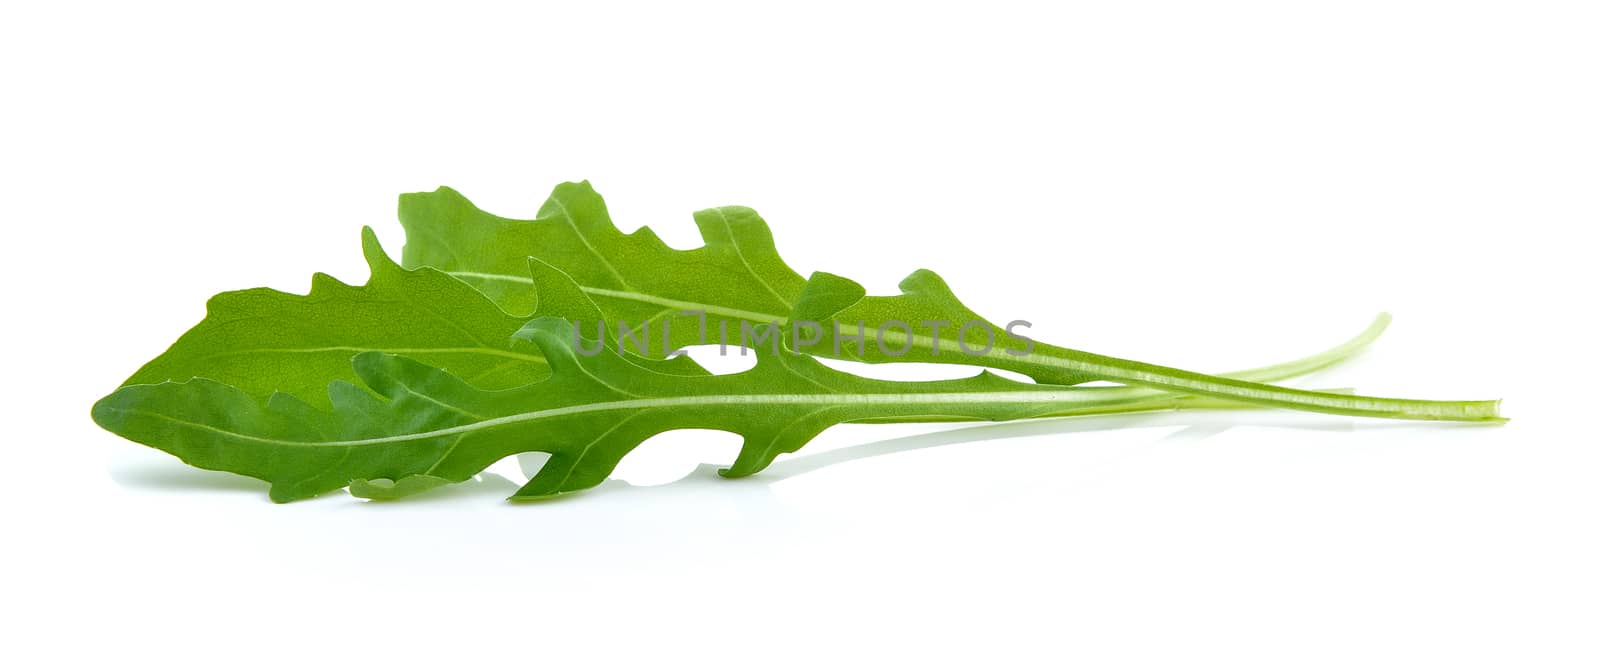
(260,387)
(738,279)
(415,427)
(216,426)
(262,341)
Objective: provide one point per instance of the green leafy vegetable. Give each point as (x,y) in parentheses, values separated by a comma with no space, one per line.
(421,377)
(376,436)
(419,427)
(738,280)
(262,341)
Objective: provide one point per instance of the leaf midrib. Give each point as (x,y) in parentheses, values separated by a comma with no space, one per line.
(880,399)
(489,351)
(734,313)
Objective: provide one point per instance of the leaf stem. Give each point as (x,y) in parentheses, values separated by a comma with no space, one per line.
(1184,381)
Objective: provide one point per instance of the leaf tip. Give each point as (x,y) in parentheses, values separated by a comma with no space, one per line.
(384,490)
(825,295)
(282,493)
(441,193)
(735,224)
(422,208)
(372,250)
(570,188)
(105,413)
(924,280)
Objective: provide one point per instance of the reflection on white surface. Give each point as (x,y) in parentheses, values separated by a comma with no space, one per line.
(171,475)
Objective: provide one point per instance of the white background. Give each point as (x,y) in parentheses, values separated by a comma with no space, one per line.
(1212,185)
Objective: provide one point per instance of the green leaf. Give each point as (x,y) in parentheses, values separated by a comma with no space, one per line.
(414,427)
(738,279)
(261,341)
